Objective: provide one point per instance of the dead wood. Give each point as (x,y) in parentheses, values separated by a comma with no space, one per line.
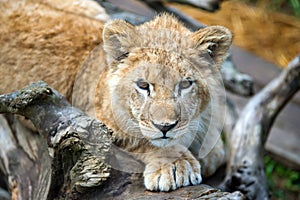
(77,146)
(245,166)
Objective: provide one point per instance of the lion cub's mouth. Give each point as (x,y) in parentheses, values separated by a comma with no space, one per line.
(163,137)
(162,141)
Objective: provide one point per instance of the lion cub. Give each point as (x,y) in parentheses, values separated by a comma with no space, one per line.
(152,84)
(155,93)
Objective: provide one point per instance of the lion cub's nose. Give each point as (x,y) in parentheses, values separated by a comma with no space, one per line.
(165,127)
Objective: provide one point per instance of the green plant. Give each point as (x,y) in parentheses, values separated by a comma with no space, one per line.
(282,181)
(296,7)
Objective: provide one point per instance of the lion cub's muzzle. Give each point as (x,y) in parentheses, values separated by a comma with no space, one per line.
(164,128)
(164,117)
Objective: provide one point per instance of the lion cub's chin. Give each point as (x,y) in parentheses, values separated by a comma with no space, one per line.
(157,139)
(166,142)
(163,142)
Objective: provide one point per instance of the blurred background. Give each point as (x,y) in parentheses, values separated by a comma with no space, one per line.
(267,28)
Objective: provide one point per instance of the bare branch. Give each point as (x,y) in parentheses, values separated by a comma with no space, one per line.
(78,144)
(245,169)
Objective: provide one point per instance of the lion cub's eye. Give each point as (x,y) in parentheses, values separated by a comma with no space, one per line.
(143,85)
(185,84)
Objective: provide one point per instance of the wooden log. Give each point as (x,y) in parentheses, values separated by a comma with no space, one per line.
(78,146)
(25,159)
(245,165)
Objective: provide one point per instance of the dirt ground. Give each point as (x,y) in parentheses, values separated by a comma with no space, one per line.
(272,36)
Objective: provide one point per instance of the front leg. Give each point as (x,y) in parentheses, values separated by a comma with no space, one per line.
(213,160)
(171,168)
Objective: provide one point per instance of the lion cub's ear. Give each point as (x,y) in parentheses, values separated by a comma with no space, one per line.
(215,40)
(118,37)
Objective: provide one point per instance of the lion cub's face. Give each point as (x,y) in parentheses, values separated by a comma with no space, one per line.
(159,77)
(165,95)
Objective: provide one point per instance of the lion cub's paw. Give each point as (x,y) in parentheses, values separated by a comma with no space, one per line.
(170,176)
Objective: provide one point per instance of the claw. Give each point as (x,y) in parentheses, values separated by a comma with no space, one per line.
(172,176)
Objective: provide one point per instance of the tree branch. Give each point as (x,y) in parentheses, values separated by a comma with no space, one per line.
(78,144)
(245,167)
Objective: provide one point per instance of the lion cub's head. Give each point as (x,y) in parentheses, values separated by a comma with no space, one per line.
(159,76)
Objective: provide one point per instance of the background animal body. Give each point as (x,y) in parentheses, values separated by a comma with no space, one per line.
(41,42)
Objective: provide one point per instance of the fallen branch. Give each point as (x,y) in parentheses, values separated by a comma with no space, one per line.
(78,146)
(245,167)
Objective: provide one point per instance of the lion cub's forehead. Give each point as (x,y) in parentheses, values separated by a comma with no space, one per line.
(167,39)
(159,64)
(161,75)
(166,32)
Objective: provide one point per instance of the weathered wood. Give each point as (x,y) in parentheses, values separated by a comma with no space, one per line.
(245,166)
(78,146)
(25,160)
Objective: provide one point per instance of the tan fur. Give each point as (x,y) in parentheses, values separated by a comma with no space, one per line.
(39,42)
(139,80)
(89,8)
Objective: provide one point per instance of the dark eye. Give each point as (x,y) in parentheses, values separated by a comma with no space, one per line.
(143,85)
(185,84)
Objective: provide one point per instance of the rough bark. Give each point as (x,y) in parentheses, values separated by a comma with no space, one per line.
(76,163)
(78,146)
(245,166)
